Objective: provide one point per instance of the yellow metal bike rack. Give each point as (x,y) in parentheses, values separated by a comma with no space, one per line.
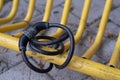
(80,64)
(12,13)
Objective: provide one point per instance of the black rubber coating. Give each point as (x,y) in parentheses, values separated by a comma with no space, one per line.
(63,37)
(29,37)
(24,40)
(35,46)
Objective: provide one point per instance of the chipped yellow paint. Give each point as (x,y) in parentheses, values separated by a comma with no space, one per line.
(77,63)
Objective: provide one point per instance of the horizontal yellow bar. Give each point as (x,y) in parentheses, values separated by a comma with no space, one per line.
(1,4)
(77,63)
(22,23)
(114,61)
(12,13)
(93,49)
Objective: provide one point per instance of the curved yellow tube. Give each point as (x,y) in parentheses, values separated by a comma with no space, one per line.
(24,22)
(93,49)
(64,18)
(1,4)
(48,10)
(12,13)
(82,24)
(114,61)
(46,17)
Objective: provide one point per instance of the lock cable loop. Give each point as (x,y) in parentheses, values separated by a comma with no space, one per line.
(29,38)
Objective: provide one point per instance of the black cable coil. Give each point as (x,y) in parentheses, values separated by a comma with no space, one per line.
(30,38)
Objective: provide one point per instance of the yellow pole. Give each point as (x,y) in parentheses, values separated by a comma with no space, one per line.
(1,4)
(82,24)
(23,23)
(12,13)
(77,64)
(93,49)
(116,54)
(48,10)
(64,18)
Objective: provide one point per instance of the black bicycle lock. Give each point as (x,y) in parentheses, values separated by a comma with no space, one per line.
(29,38)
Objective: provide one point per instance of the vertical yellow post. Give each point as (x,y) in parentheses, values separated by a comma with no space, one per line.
(12,13)
(82,24)
(30,10)
(93,49)
(48,10)
(1,4)
(116,54)
(64,18)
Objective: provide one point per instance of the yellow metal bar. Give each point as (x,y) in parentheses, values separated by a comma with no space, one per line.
(31,8)
(18,35)
(77,64)
(82,24)
(64,18)
(46,15)
(93,49)
(116,54)
(48,11)
(12,13)
(1,4)
(22,23)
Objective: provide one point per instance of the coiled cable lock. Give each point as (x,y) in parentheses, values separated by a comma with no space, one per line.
(30,38)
